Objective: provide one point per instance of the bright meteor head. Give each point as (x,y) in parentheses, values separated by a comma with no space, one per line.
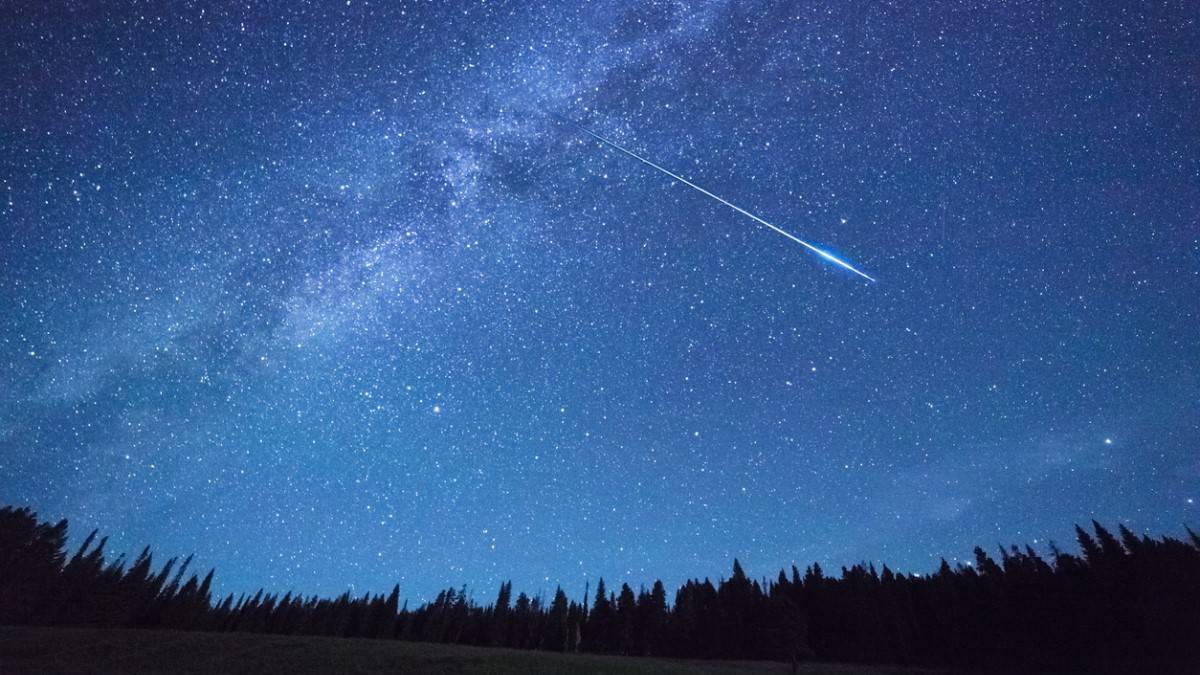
(841,263)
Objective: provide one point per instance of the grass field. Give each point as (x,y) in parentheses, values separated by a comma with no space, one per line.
(75,651)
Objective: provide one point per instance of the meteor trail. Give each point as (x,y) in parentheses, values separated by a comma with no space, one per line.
(824,254)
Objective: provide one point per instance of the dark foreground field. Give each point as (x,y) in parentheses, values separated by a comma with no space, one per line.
(50,651)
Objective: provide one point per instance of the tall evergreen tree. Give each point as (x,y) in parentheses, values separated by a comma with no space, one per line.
(556,636)
(626,621)
(499,632)
(598,633)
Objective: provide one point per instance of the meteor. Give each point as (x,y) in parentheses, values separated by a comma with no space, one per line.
(824,254)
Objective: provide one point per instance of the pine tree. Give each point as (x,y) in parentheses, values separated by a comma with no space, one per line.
(656,620)
(387,627)
(556,634)
(520,624)
(1109,546)
(597,635)
(500,616)
(626,624)
(1091,551)
(738,597)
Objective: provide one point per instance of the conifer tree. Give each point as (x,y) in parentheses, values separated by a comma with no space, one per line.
(556,634)
(597,635)
(626,621)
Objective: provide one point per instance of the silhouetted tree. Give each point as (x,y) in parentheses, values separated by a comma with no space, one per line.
(601,623)
(556,636)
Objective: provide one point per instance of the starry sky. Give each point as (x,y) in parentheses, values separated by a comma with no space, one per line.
(327,295)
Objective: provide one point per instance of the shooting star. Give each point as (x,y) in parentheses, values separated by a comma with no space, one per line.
(824,254)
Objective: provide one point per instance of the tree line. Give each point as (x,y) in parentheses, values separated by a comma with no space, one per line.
(1124,603)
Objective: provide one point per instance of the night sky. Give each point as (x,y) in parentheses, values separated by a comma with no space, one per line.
(326,293)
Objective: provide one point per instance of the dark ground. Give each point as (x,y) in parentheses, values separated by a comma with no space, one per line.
(52,651)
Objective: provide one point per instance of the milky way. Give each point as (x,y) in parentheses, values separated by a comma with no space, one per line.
(307,290)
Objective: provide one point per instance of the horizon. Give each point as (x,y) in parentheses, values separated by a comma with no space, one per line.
(478,593)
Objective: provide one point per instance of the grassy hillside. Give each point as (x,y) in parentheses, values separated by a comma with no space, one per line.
(51,651)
